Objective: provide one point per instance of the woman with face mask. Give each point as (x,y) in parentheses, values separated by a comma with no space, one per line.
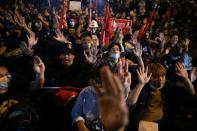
(4,79)
(114,54)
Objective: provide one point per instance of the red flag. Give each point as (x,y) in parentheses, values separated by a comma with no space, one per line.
(63,23)
(167,14)
(146,24)
(107,31)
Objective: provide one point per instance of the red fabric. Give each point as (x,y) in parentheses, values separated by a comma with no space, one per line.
(167,14)
(146,25)
(63,23)
(107,25)
(66,93)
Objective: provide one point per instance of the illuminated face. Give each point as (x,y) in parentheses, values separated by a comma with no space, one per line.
(3,72)
(115,49)
(175,39)
(4,79)
(158,81)
(115,53)
(67,59)
(95,40)
(86,42)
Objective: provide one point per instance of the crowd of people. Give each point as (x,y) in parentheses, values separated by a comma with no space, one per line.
(57,79)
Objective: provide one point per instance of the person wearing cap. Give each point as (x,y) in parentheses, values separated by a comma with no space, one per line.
(67,71)
(67,56)
(94,28)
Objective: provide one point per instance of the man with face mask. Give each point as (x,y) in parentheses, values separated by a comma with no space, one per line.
(158,102)
(4,79)
(94,27)
(67,70)
(6,100)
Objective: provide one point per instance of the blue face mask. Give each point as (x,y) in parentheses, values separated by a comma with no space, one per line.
(4,82)
(115,56)
(85,46)
(3,86)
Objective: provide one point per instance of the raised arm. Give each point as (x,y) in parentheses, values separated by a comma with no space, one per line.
(28,48)
(60,37)
(182,72)
(113,110)
(39,69)
(138,54)
(143,78)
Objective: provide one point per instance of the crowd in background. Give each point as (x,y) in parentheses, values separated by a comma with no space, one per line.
(47,73)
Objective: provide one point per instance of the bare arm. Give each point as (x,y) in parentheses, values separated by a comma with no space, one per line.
(181,71)
(138,54)
(113,110)
(81,126)
(39,69)
(143,79)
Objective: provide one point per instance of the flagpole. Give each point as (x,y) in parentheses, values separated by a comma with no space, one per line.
(90,12)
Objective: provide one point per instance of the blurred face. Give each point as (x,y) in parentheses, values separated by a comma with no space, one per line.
(115,53)
(86,42)
(4,79)
(67,59)
(158,81)
(115,49)
(72,22)
(95,40)
(175,39)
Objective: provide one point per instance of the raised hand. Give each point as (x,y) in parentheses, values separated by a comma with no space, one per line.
(193,74)
(134,38)
(113,110)
(138,51)
(32,40)
(60,37)
(181,71)
(26,48)
(39,66)
(143,76)
(123,73)
(92,57)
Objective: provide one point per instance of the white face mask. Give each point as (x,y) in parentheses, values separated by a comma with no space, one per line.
(115,56)
(3,86)
(72,23)
(93,30)
(4,82)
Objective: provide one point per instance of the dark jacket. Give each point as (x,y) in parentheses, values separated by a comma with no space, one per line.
(172,97)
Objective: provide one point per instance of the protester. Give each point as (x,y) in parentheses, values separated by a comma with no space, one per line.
(47,46)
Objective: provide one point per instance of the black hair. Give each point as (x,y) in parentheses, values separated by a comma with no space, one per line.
(113,44)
